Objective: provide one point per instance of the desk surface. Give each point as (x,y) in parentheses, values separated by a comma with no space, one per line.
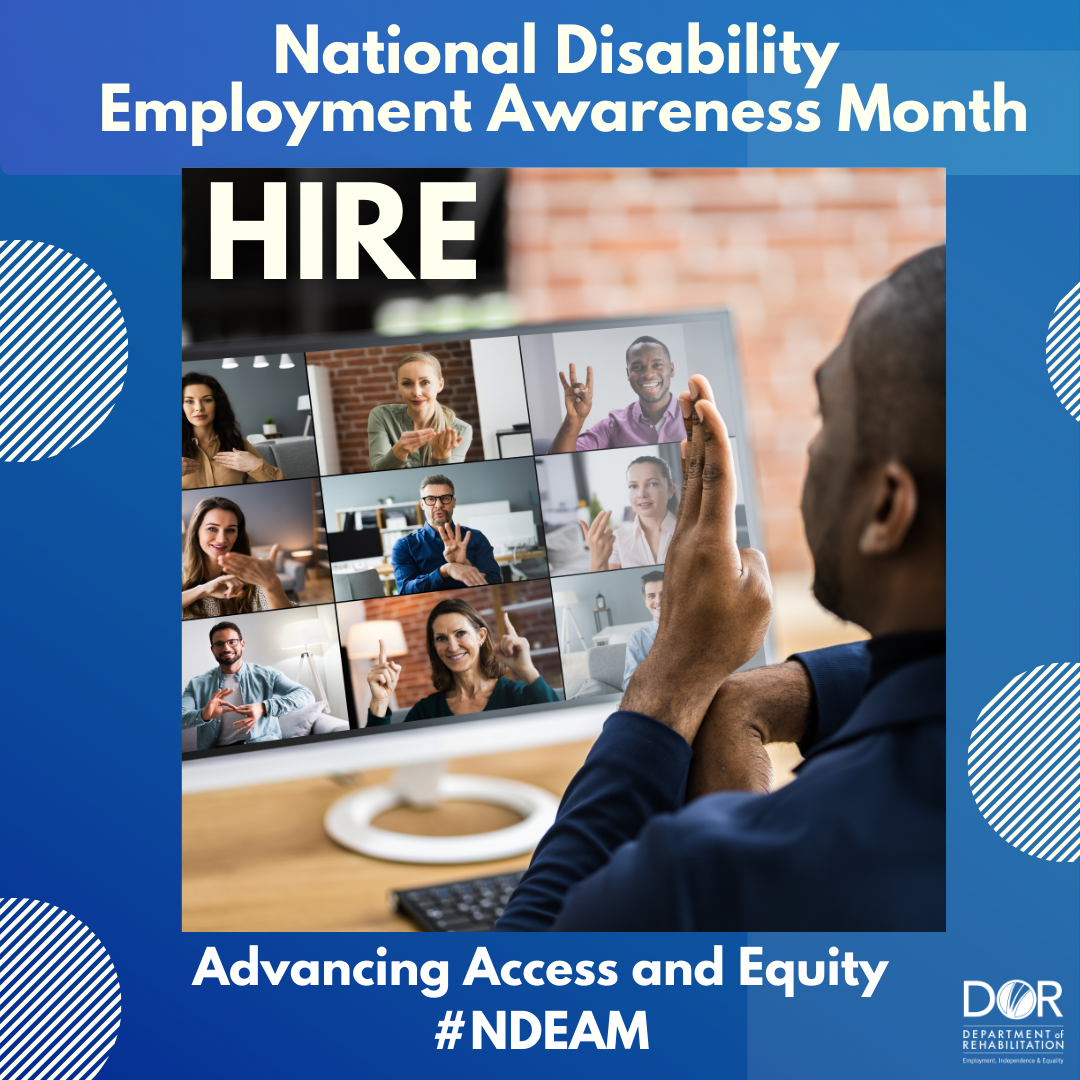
(257,858)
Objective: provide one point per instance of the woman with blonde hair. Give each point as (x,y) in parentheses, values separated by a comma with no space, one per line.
(467,668)
(419,431)
(220,575)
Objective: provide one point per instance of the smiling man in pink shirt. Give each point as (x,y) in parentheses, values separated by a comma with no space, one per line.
(653,418)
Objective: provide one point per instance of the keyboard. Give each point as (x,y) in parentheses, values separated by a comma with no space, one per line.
(458,905)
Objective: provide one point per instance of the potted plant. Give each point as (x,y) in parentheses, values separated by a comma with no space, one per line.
(269,427)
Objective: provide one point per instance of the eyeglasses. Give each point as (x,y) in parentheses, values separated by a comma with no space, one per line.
(431,500)
(222,644)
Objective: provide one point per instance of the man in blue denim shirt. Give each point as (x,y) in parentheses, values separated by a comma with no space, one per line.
(438,556)
(237,702)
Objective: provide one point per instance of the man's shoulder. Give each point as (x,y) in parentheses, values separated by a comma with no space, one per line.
(263,671)
(646,633)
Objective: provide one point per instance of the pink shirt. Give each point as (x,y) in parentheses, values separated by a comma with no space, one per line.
(632,549)
(631,427)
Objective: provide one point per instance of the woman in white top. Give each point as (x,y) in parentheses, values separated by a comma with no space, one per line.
(419,431)
(644,541)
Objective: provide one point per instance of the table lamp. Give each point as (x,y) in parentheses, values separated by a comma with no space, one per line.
(564,600)
(364,639)
(303,404)
(307,634)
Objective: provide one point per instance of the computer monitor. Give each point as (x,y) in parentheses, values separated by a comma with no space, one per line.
(575,619)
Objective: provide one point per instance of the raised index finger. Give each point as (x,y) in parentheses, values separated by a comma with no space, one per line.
(573,374)
(382,651)
(588,380)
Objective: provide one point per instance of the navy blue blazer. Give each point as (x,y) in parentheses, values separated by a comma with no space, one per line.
(856,842)
(416,559)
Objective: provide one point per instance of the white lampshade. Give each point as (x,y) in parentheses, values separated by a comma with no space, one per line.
(564,599)
(286,362)
(304,632)
(364,639)
(303,403)
(229,362)
(261,361)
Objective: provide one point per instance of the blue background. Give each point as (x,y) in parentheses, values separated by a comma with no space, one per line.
(88,782)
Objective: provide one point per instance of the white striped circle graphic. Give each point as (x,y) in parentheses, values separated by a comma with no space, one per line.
(1063,351)
(63,350)
(1024,762)
(59,995)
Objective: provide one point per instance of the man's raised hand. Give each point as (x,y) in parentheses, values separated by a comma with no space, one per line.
(578,396)
(717,599)
(455,548)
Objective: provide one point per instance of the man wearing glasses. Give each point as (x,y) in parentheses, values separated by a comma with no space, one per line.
(237,702)
(438,556)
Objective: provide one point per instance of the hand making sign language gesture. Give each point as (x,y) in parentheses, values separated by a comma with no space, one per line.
(578,399)
(255,571)
(457,565)
(513,650)
(383,680)
(713,592)
(601,541)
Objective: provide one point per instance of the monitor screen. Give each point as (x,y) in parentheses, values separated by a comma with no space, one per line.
(393,535)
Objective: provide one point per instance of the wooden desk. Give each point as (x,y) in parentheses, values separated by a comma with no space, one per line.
(257,858)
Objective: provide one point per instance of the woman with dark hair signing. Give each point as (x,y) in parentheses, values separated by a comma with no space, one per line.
(467,668)
(220,576)
(213,452)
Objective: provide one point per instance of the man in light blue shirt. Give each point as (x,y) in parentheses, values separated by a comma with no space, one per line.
(637,648)
(438,556)
(237,702)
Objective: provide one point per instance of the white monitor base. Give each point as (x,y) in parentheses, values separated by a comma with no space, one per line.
(349,820)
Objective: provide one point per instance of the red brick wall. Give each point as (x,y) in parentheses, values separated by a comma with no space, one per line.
(536,624)
(788,250)
(360,379)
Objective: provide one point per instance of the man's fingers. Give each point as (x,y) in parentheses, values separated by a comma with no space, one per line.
(382,651)
(468,537)
(588,380)
(755,566)
(565,384)
(573,375)
(718,475)
(694,459)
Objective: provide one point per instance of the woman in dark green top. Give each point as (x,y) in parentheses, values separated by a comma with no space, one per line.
(467,667)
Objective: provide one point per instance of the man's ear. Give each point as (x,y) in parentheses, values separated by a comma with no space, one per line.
(894,501)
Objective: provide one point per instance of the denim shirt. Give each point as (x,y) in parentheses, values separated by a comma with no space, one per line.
(257,684)
(637,648)
(416,559)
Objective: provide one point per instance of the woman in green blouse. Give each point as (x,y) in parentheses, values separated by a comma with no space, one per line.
(419,431)
(467,668)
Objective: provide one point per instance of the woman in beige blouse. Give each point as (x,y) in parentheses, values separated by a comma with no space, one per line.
(214,453)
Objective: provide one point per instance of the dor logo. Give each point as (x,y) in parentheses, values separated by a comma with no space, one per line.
(1015,999)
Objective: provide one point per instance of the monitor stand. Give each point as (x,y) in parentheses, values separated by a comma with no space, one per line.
(349,820)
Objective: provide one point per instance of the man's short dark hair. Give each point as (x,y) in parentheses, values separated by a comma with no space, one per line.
(436,479)
(650,577)
(898,359)
(646,340)
(225,626)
